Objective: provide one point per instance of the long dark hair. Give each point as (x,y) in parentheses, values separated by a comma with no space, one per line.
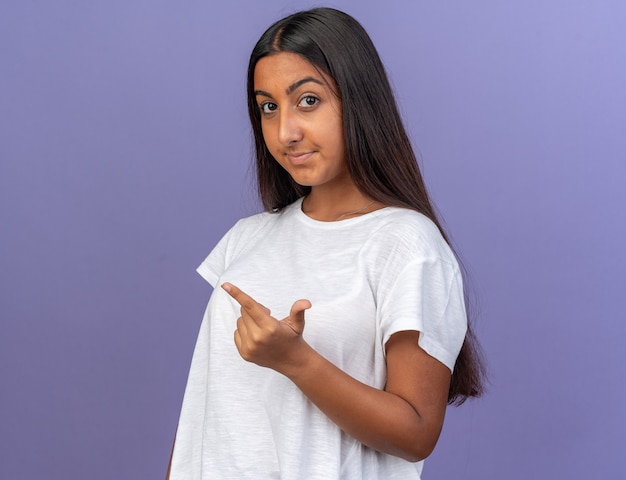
(379,155)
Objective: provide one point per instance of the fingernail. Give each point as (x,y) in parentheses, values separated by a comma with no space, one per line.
(226,286)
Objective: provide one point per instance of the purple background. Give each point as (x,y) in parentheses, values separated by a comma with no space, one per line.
(124,156)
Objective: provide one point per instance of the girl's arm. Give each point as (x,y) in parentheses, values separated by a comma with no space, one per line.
(404,419)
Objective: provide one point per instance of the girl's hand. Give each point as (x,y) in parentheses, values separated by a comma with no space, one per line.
(264,340)
(403,420)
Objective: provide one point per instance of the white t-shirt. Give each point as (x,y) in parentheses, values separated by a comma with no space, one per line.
(367,278)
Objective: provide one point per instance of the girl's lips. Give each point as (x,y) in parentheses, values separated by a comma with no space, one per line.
(299,158)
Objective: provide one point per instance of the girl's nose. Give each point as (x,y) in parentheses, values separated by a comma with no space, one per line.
(289,131)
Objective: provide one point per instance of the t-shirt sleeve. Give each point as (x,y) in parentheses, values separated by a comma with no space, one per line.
(232,244)
(427,295)
(215,263)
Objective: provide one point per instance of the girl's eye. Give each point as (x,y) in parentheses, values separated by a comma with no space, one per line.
(268,107)
(308,101)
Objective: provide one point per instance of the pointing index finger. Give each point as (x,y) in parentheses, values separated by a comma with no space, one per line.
(242,298)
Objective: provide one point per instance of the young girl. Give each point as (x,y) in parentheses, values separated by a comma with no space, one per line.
(345,299)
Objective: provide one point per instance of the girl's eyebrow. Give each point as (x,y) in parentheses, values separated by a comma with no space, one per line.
(295,85)
(290,89)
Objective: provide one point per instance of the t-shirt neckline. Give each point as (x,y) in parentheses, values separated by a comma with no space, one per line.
(297,207)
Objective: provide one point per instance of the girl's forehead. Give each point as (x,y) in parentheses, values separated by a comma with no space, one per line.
(283,65)
(286,69)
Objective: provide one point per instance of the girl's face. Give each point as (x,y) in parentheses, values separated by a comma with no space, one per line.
(301,120)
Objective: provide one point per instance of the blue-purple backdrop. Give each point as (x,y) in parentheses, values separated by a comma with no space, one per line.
(124,156)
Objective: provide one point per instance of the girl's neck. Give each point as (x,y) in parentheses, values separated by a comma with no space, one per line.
(331,206)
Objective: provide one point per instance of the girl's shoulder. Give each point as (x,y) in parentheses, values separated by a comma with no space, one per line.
(408,221)
(258,221)
(252,222)
(405,230)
